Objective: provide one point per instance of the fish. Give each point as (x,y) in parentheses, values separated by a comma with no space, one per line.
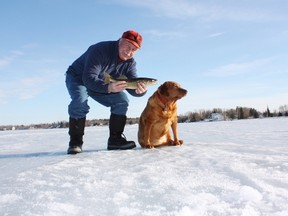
(131,82)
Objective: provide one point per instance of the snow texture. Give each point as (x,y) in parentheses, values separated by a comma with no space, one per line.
(223,168)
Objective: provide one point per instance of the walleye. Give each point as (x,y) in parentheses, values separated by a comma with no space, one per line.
(132,82)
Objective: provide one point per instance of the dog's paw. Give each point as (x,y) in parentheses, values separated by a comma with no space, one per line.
(170,143)
(149,146)
(178,142)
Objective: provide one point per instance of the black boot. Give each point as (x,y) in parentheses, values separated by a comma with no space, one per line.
(117,140)
(76,132)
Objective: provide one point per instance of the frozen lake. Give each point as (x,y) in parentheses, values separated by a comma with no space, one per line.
(223,168)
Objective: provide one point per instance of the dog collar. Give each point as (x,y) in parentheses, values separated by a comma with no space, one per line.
(162,100)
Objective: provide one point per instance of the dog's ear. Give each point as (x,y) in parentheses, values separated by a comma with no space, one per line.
(163,89)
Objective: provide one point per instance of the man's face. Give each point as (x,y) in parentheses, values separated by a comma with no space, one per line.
(126,50)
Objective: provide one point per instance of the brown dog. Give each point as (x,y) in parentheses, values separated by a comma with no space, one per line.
(159,115)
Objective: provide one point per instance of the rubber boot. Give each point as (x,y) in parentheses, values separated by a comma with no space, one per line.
(117,140)
(76,132)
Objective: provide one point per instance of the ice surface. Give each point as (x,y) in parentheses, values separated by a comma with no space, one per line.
(223,168)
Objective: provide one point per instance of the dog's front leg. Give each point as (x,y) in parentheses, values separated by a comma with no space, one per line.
(175,133)
(147,132)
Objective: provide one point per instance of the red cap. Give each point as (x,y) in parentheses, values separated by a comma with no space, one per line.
(133,37)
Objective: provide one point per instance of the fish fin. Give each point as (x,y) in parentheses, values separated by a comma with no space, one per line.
(107,78)
(122,77)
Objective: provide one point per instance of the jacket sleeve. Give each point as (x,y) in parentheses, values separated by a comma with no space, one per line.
(133,93)
(92,75)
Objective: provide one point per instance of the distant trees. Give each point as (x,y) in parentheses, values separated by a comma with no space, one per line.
(283,109)
(267,113)
(240,112)
(230,114)
(253,113)
(200,115)
(245,113)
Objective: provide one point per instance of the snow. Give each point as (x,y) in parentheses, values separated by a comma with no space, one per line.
(223,168)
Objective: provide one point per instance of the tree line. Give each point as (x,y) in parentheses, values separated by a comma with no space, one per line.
(232,114)
(200,115)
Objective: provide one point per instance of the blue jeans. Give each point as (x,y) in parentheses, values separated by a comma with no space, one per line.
(78,107)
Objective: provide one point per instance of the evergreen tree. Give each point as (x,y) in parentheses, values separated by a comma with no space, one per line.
(268,112)
(255,114)
(240,113)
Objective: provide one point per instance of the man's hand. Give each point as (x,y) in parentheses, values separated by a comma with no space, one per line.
(141,88)
(117,86)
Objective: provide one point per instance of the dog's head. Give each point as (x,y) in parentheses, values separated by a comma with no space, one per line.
(172,91)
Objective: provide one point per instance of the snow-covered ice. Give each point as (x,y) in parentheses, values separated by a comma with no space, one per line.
(223,168)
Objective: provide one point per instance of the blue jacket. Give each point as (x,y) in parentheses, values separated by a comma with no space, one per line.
(99,58)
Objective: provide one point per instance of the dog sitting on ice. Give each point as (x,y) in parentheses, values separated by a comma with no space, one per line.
(159,115)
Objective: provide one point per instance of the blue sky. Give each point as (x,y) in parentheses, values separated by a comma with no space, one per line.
(225,53)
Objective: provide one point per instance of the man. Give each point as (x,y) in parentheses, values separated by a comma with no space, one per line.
(85,78)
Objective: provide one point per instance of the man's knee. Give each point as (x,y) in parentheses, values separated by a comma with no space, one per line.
(78,110)
(120,108)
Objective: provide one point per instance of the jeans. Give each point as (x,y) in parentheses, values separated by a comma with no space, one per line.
(78,107)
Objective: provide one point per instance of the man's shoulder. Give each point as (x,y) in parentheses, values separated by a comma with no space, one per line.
(105,44)
(107,47)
